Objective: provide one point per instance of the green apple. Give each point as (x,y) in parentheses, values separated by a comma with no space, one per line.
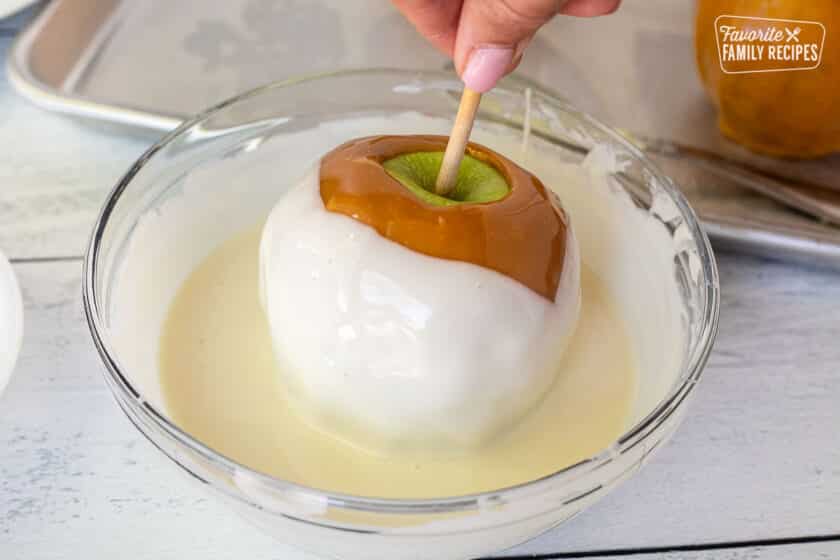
(477,181)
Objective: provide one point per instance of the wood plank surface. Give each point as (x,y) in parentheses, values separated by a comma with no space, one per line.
(54,175)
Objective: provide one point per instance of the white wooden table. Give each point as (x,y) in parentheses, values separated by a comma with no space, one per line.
(753,473)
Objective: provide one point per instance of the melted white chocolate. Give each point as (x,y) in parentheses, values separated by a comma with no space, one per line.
(212,390)
(221,385)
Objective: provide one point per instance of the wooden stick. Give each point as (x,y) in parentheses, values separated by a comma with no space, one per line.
(457,144)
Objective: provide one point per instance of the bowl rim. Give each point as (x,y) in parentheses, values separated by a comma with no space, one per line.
(127,395)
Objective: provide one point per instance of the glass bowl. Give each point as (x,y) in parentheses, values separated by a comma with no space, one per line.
(344,526)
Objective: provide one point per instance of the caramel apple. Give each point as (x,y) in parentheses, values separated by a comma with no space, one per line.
(402,320)
(499,216)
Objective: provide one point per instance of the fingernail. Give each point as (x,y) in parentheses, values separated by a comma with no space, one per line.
(486,66)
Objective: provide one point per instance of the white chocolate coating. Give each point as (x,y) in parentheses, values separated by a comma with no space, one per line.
(388,348)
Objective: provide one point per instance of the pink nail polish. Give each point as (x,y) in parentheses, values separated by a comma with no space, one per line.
(486,66)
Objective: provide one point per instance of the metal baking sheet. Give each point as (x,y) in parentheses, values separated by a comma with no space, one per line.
(149,64)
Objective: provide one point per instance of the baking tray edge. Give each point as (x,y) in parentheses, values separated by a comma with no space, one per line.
(26,83)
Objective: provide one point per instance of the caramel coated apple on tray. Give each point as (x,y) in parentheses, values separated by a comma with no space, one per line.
(405,320)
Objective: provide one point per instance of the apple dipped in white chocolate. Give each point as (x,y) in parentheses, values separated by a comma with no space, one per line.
(402,320)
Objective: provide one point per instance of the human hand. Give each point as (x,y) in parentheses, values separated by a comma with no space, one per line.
(486,38)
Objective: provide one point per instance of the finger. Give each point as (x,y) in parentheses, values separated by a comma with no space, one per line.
(436,20)
(589,8)
(493,33)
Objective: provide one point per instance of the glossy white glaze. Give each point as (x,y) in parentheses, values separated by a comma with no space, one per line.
(388,348)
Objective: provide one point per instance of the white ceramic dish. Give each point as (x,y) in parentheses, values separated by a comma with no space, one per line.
(11,321)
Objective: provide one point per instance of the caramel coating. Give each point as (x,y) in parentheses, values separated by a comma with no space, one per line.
(522,236)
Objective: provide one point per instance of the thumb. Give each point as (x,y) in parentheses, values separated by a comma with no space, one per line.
(493,34)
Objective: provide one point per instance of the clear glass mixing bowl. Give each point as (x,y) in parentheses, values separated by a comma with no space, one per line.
(344,526)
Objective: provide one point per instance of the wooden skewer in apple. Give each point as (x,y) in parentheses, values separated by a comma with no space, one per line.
(458,139)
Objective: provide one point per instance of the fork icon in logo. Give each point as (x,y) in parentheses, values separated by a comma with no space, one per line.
(793,35)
